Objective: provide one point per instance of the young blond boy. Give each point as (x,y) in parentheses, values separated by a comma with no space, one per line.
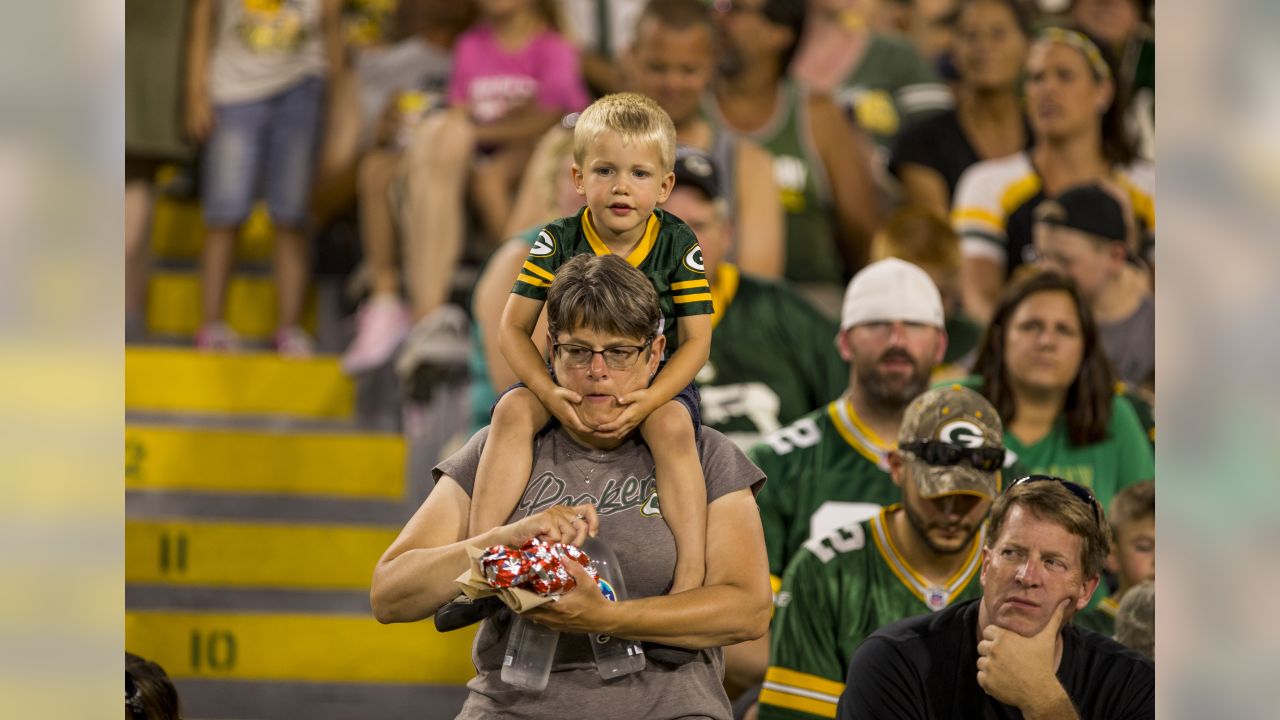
(624,152)
(1133,551)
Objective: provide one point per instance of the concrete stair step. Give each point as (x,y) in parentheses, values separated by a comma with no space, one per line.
(322,648)
(350,464)
(258,555)
(177,232)
(173,305)
(161,380)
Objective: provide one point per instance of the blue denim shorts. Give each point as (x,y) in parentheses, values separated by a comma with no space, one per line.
(265,148)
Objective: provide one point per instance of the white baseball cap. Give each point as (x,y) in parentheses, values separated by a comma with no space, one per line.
(891,290)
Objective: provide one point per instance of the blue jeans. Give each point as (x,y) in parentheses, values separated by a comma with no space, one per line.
(264,148)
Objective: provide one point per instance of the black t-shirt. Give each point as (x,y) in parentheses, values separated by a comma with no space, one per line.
(938,142)
(926,667)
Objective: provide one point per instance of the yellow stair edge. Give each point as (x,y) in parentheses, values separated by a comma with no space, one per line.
(184,380)
(253,555)
(352,465)
(177,232)
(299,647)
(173,305)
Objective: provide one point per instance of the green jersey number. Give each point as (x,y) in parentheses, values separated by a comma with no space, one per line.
(802,433)
(843,540)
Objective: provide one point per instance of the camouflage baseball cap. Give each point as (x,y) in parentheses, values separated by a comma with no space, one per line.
(953,430)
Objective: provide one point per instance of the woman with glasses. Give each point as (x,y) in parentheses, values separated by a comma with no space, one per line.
(602,319)
(1079,137)
(1042,366)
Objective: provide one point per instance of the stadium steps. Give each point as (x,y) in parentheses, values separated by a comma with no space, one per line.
(258,499)
(173,299)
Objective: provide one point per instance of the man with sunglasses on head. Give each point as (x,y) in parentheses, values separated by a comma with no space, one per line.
(914,557)
(830,468)
(1013,653)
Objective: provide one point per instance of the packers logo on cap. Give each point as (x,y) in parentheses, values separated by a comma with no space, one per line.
(962,433)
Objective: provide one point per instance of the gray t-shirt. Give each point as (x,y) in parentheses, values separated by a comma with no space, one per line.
(621,484)
(1131,344)
(261,52)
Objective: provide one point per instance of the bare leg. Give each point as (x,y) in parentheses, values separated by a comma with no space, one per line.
(137,246)
(493,186)
(215,272)
(436,171)
(682,490)
(335,175)
(292,271)
(507,459)
(377,226)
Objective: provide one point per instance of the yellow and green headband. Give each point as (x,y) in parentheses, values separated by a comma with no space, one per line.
(1081,42)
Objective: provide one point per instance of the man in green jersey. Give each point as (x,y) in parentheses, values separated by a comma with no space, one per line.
(911,558)
(830,468)
(772,359)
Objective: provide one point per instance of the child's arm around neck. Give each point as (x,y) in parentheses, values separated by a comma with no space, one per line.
(515,339)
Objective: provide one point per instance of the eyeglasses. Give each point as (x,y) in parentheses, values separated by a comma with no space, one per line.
(932,452)
(1081,492)
(618,357)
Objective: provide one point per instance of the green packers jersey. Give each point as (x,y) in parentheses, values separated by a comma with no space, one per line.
(772,358)
(838,590)
(668,254)
(891,88)
(1106,467)
(826,470)
(812,253)
(1100,619)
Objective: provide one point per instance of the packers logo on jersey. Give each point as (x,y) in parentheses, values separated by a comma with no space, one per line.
(693,259)
(962,433)
(544,246)
(651,507)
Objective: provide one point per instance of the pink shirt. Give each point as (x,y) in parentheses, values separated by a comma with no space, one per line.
(493,80)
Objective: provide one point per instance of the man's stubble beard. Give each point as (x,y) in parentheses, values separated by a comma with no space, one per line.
(922,529)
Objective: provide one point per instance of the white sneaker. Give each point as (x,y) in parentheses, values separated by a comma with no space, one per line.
(381,325)
(294,342)
(442,338)
(217,337)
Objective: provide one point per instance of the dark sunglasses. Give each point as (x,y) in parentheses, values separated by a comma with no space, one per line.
(933,452)
(1084,494)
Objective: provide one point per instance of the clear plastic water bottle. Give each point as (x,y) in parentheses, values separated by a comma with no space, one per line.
(614,656)
(531,649)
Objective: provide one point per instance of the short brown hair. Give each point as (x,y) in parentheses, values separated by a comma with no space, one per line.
(635,117)
(679,14)
(1135,502)
(918,236)
(1053,502)
(603,293)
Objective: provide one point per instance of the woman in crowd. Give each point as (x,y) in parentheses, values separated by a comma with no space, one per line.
(602,317)
(991,41)
(1079,137)
(1042,366)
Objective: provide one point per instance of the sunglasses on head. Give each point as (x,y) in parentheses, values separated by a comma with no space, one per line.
(1081,492)
(934,452)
